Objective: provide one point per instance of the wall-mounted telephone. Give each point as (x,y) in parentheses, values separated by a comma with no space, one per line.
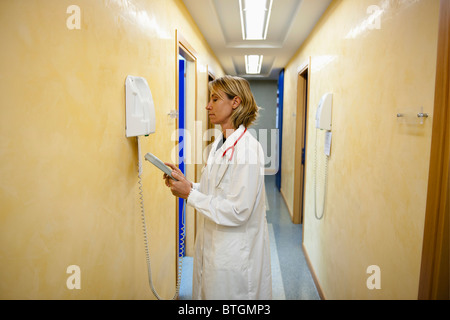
(323,122)
(140,121)
(140,109)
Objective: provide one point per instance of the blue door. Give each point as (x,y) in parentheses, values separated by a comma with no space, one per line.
(280,125)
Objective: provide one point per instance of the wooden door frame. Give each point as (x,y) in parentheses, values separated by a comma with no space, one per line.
(301,129)
(434,268)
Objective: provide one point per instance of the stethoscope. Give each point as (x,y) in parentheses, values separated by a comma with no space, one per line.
(234,145)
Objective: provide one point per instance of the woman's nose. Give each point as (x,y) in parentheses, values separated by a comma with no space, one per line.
(208,106)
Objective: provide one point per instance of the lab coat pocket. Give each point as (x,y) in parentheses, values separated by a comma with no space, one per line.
(230,249)
(229,265)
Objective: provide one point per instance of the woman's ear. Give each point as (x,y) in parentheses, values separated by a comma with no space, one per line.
(236,102)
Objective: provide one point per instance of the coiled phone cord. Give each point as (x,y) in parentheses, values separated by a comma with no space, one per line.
(144,229)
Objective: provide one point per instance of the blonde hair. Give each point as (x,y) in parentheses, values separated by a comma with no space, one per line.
(247,113)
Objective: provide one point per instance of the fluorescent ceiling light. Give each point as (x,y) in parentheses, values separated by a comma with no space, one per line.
(253,64)
(255,16)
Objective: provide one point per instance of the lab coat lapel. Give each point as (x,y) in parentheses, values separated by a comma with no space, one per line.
(221,162)
(212,158)
(221,170)
(218,166)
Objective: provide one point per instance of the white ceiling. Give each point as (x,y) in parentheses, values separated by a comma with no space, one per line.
(291,22)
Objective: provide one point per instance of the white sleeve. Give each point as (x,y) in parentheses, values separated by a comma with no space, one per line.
(235,208)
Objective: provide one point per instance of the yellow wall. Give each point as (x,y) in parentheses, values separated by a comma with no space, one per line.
(378,170)
(68,175)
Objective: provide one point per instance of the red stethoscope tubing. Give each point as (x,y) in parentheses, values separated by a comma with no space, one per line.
(234,145)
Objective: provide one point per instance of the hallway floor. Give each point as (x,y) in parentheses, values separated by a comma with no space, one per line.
(291,279)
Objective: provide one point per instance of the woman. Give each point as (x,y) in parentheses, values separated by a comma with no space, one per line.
(232,257)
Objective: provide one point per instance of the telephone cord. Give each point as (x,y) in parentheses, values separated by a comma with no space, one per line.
(315,183)
(146,245)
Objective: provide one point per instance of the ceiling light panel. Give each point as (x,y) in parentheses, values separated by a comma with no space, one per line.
(255,17)
(253,64)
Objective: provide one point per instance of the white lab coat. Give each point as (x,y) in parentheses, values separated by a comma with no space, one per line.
(232,253)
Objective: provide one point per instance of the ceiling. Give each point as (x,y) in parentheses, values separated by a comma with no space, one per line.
(291,22)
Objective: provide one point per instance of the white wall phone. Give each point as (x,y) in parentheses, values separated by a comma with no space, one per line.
(140,109)
(323,114)
(140,121)
(323,122)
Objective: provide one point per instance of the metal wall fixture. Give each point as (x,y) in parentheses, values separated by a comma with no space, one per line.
(421,115)
(173,114)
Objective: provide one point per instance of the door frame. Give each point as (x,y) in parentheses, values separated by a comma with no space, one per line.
(280,108)
(301,132)
(434,273)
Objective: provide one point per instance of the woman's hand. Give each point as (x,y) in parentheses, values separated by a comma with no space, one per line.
(180,188)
